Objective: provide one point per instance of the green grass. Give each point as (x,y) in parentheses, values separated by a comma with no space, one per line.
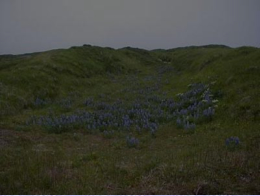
(79,161)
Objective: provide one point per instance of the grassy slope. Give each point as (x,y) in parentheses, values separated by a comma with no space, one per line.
(235,71)
(56,73)
(35,162)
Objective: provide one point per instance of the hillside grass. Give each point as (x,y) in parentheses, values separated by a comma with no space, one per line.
(35,160)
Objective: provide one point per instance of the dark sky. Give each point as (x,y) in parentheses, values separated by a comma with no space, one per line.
(38,25)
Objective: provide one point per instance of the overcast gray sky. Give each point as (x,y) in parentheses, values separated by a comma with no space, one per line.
(38,25)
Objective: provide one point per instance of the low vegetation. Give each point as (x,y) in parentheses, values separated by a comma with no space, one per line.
(91,120)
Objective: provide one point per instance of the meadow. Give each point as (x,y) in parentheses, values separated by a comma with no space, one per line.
(92,120)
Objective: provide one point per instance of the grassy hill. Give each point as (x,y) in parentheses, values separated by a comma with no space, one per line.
(92,120)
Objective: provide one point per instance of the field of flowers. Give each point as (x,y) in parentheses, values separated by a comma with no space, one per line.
(145,112)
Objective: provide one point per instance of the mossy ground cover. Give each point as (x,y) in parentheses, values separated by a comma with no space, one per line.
(92,120)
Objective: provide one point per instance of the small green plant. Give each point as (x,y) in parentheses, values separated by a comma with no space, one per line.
(89,157)
(108,134)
